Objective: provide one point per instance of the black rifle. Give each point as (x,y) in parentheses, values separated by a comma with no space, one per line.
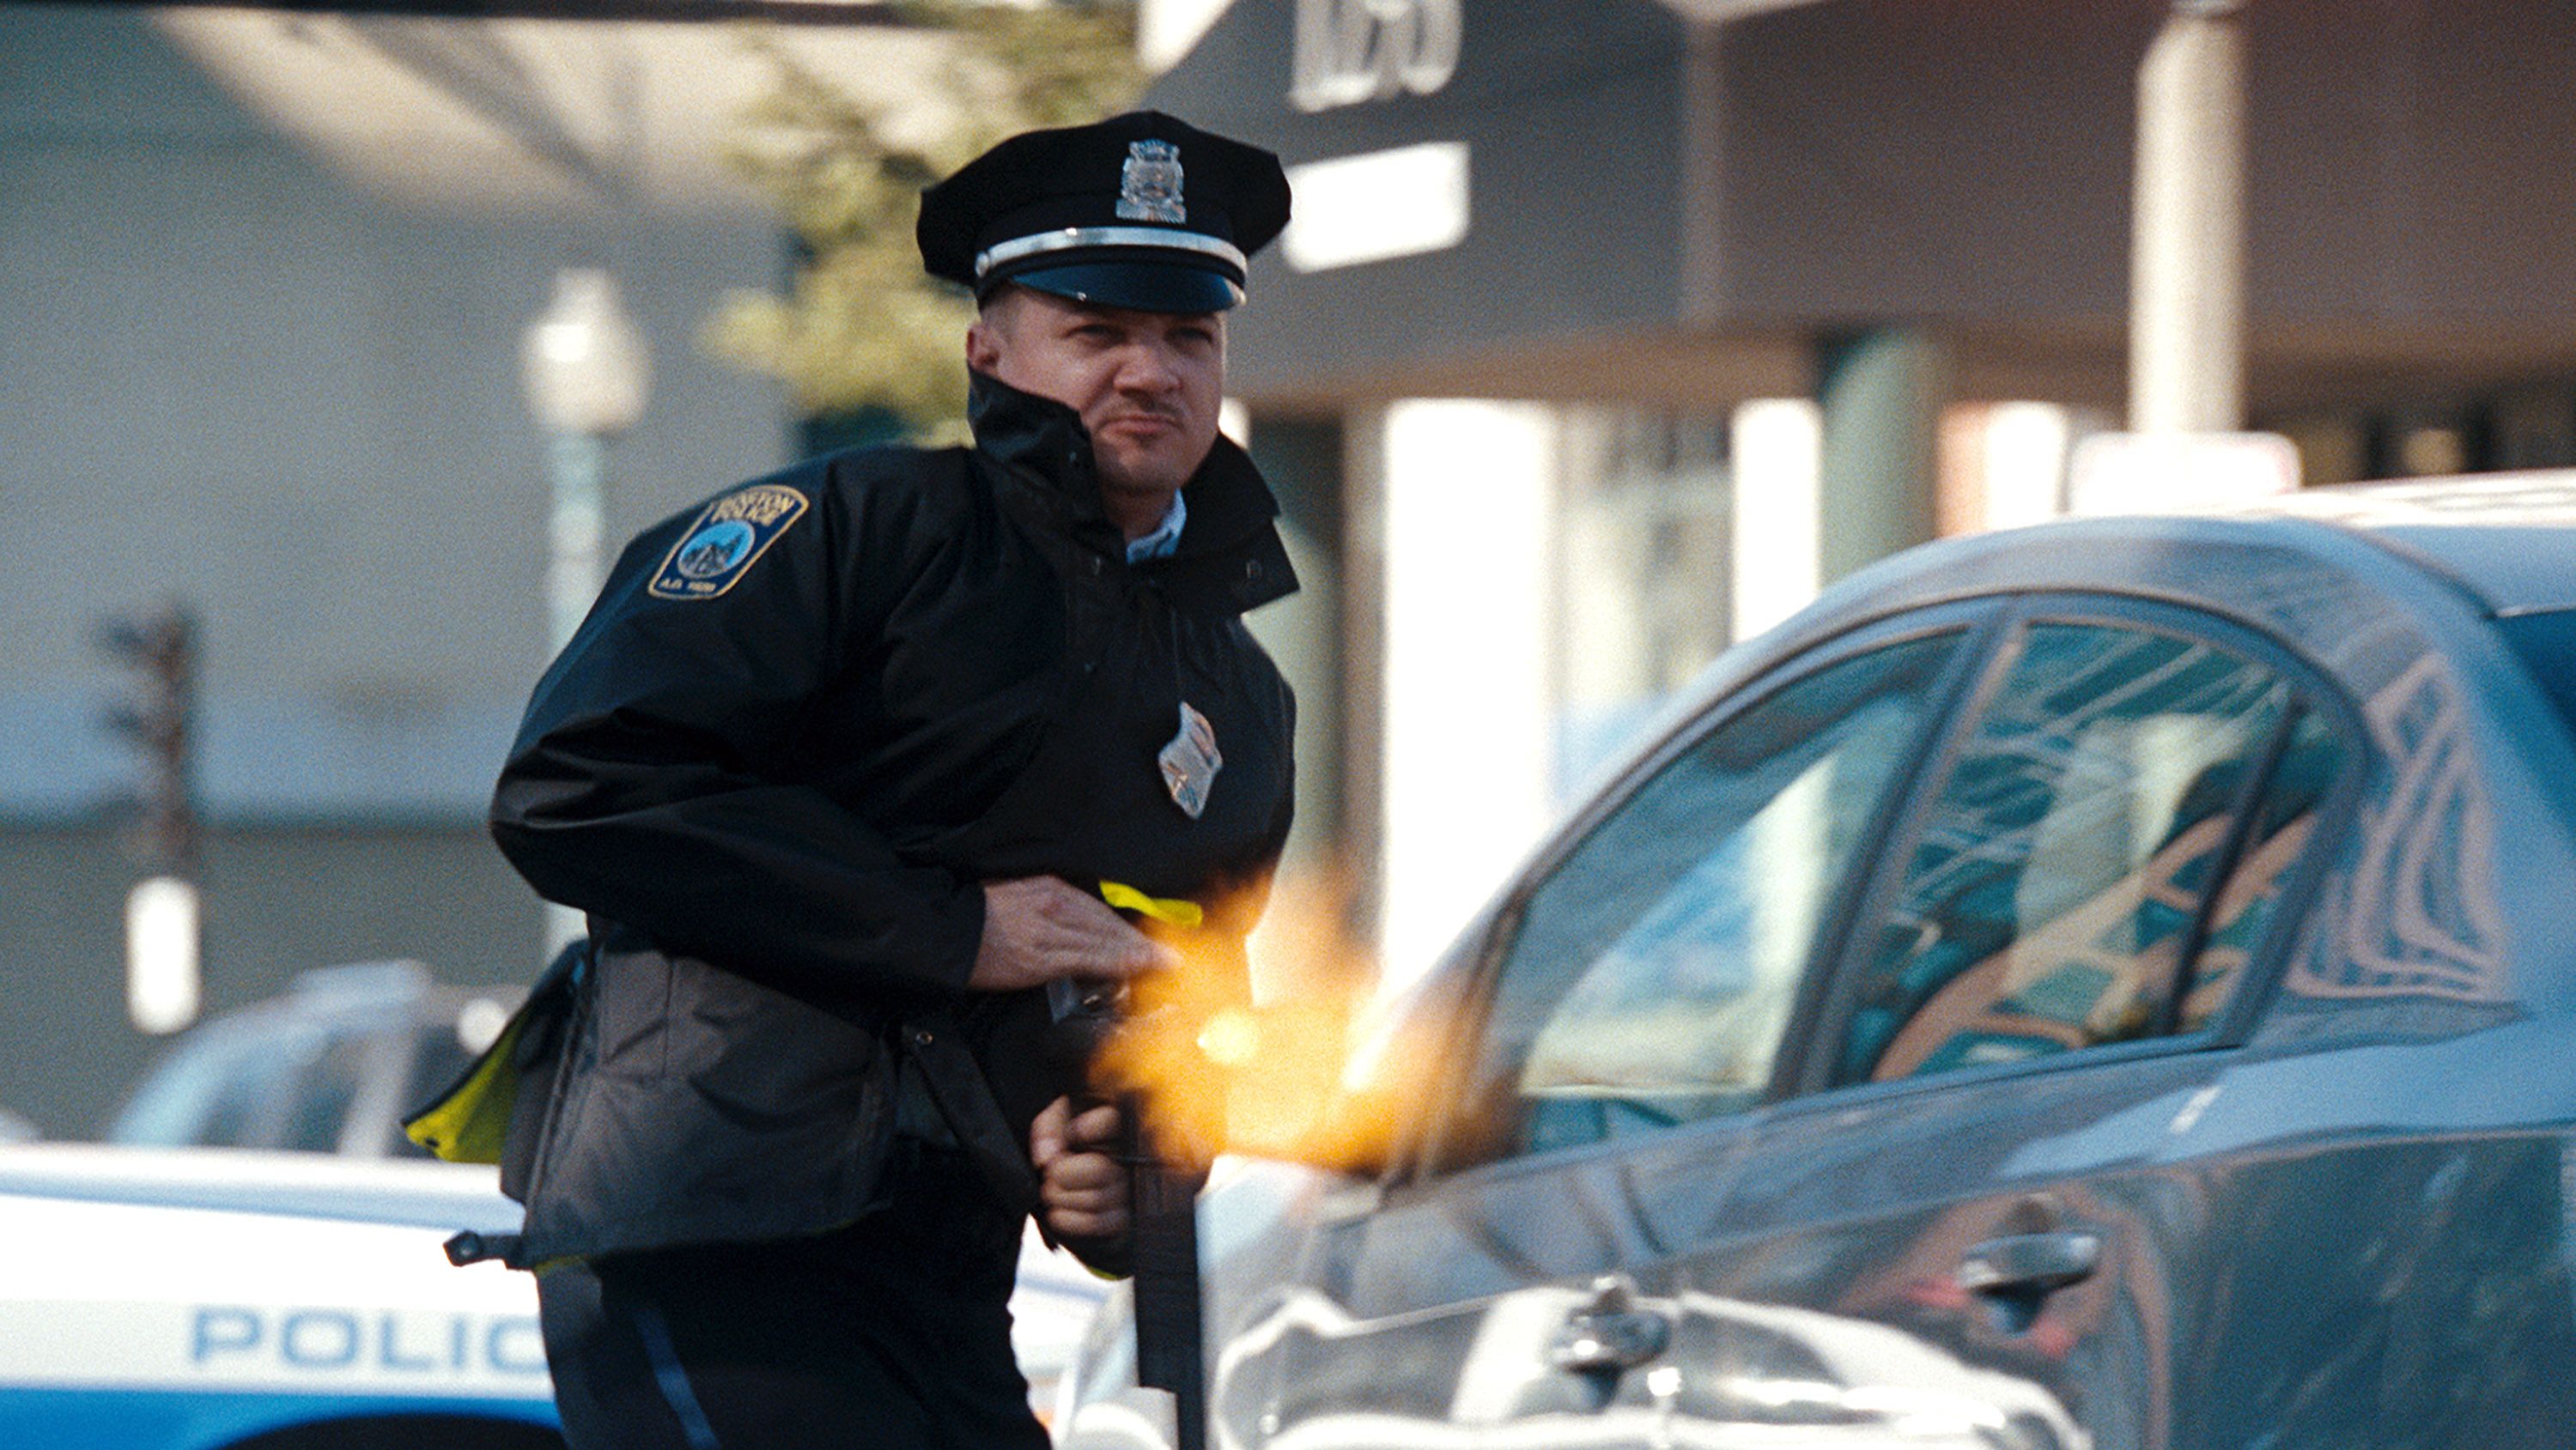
(1162,1220)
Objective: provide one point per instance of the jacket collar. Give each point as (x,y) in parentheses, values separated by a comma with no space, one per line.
(1229,558)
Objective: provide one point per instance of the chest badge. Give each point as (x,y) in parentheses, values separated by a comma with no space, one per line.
(1190,762)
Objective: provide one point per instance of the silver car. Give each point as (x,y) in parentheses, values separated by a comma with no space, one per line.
(2110,984)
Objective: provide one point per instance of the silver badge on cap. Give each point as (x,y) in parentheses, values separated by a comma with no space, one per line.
(1190,762)
(1149,185)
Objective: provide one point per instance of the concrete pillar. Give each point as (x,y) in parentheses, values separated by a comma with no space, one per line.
(1304,632)
(1881,392)
(1774,558)
(1467,692)
(2187,243)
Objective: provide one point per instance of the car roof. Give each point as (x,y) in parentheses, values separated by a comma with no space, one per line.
(2507,538)
(358,997)
(2498,545)
(2316,569)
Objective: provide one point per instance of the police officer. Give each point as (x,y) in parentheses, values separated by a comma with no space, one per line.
(838,768)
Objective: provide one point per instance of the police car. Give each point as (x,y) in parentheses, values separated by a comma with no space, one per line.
(221,1299)
(228,1299)
(328,1066)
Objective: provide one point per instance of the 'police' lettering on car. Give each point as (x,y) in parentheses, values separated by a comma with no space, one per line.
(368,1343)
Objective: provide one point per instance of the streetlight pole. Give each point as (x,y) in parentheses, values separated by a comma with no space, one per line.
(574,528)
(583,363)
(584,366)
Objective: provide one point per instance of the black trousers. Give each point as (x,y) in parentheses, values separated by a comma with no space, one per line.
(890,1334)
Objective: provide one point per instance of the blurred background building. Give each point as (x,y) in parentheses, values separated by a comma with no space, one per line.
(1622,325)
(1608,331)
(267,278)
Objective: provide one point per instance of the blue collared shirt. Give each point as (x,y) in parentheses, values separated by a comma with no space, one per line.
(1166,536)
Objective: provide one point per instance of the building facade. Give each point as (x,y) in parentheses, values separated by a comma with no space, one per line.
(1640,320)
(263,361)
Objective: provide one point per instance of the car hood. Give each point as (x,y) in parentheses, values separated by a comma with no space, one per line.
(315,1185)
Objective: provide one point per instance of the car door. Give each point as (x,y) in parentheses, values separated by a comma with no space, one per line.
(2036,1000)
(1627,1016)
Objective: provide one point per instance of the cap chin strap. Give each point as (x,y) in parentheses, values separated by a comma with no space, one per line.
(1067,238)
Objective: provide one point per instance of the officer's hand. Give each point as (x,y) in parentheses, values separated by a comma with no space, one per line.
(1037,929)
(1082,1190)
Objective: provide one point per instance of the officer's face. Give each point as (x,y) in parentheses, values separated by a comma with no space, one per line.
(1147,384)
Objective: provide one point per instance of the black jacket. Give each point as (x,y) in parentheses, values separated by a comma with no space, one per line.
(800,727)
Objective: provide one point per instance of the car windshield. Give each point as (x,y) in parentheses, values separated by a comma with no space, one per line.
(224,1087)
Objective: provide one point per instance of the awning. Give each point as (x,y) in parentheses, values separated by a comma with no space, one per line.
(1518,168)
(546,109)
(1578,197)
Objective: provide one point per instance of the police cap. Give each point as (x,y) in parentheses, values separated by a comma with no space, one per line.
(1140,211)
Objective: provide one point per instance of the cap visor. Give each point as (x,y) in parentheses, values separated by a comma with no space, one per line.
(1137,286)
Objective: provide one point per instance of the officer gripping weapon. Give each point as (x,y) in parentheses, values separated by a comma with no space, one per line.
(1162,1257)
(831,770)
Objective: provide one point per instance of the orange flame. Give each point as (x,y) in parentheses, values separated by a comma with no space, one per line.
(1251,1051)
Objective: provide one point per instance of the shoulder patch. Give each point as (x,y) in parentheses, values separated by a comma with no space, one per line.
(725,541)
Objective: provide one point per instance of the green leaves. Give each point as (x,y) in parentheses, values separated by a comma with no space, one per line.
(860,326)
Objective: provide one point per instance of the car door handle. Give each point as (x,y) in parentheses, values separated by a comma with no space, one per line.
(1611,1334)
(2029,1263)
(1606,1343)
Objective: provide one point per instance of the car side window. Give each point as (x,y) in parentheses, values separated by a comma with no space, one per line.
(2312,758)
(248,1090)
(318,1113)
(2057,893)
(1652,973)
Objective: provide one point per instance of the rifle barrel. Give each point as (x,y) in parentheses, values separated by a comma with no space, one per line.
(1163,1219)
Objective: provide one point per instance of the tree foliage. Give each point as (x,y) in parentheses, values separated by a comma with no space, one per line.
(860,327)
